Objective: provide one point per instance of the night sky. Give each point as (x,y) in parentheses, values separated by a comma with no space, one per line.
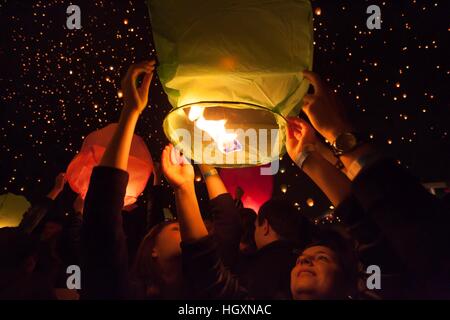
(58,85)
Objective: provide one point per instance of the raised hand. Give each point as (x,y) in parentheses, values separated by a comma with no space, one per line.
(136,98)
(177,170)
(299,135)
(326,113)
(60,181)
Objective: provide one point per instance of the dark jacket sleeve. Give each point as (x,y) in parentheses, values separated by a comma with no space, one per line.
(374,248)
(227,228)
(155,206)
(34,215)
(411,219)
(206,274)
(73,236)
(105,261)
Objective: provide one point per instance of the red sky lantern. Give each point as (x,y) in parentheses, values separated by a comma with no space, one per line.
(140,164)
(257,188)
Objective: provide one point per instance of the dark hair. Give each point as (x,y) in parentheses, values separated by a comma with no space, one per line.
(15,247)
(248,218)
(345,250)
(287,221)
(145,272)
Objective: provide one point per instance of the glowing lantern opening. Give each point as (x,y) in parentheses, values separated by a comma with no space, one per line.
(12,209)
(232,71)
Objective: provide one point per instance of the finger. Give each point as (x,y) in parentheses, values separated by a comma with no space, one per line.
(295,121)
(135,69)
(308,99)
(180,159)
(315,81)
(298,135)
(145,86)
(174,155)
(301,124)
(165,160)
(305,126)
(289,132)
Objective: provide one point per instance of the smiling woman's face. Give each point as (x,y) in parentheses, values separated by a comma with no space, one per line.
(317,275)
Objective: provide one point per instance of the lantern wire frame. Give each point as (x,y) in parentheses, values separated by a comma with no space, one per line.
(260,131)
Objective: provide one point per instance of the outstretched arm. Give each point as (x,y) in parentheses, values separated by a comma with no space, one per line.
(135,99)
(405,212)
(180,174)
(105,258)
(301,147)
(213,181)
(203,266)
(38,211)
(226,220)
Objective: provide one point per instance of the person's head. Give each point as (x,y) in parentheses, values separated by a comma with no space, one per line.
(278,219)
(18,259)
(17,250)
(326,269)
(248,218)
(159,248)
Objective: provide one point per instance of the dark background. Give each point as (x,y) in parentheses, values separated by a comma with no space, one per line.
(58,85)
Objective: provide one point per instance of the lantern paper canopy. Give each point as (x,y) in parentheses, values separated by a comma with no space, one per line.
(140,163)
(257,188)
(12,208)
(232,71)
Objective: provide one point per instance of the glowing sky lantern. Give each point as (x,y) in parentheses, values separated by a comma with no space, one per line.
(140,163)
(12,208)
(232,71)
(257,188)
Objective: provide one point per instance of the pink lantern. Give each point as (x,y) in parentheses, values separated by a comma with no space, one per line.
(257,188)
(140,164)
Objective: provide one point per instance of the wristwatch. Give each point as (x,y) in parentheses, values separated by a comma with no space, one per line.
(346,142)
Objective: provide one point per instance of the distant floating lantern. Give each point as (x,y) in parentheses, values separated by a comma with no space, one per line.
(283,188)
(318,11)
(12,208)
(232,71)
(140,164)
(310,202)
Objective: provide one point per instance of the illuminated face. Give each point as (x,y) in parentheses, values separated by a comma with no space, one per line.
(316,275)
(168,241)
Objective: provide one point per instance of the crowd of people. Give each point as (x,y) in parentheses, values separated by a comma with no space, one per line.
(389,220)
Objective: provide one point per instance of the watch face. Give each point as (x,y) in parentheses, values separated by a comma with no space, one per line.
(346,142)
